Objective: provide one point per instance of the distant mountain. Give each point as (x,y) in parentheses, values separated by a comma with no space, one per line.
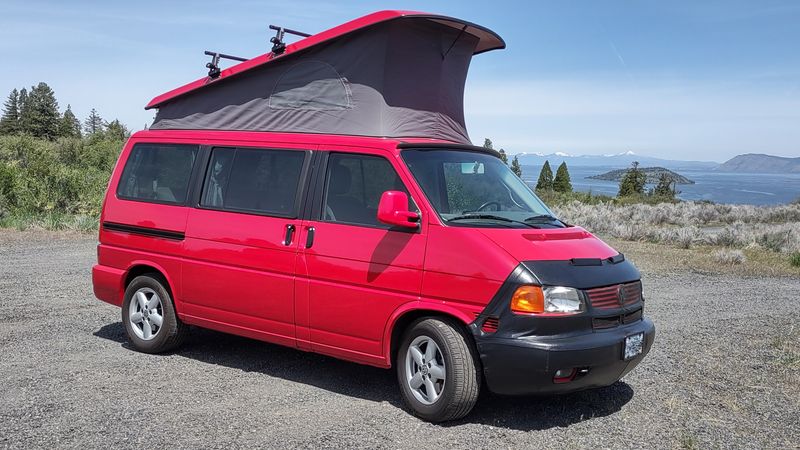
(758,163)
(653,175)
(621,160)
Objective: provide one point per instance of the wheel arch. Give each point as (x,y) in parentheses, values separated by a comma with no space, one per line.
(138,268)
(407,314)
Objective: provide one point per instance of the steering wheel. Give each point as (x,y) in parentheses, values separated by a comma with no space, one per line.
(483,206)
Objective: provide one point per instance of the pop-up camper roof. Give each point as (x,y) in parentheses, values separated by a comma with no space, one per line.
(388,74)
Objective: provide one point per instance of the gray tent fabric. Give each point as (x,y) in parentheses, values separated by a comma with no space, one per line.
(400,78)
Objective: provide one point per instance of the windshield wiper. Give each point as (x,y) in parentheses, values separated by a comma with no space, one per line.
(490,217)
(541,217)
(544,217)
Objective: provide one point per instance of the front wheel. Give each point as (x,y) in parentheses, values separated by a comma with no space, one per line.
(437,370)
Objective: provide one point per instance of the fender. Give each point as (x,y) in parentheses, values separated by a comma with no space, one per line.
(463,313)
(173,287)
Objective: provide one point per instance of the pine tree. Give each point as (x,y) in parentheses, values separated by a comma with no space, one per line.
(503,156)
(43,116)
(664,187)
(545,182)
(633,182)
(69,126)
(94,123)
(23,124)
(487,143)
(9,123)
(515,167)
(562,182)
(116,130)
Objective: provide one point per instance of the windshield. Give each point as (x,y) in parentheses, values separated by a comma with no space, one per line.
(471,188)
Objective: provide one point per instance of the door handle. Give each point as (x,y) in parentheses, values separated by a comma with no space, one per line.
(310,237)
(287,239)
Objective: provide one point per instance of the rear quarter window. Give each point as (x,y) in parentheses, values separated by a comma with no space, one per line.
(158,173)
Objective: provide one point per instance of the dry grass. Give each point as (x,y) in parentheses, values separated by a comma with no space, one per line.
(687,224)
(659,258)
(729,257)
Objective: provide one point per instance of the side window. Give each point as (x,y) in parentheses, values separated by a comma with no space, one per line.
(253,180)
(158,173)
(354,187)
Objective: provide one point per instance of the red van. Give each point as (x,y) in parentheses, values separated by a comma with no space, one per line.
(408,248)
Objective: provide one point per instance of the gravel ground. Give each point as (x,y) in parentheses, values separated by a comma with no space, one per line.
(723,373)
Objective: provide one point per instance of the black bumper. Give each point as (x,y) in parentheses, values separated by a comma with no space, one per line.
(527,365)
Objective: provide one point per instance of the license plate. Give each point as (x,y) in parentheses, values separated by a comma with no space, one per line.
(633,346)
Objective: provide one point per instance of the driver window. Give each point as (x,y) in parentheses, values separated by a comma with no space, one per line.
(354,185)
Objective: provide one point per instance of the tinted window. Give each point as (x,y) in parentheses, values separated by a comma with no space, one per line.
(263,181)
(354,187)
(158,173)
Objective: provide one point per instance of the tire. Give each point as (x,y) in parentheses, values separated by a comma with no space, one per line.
(142,325)
(455,395)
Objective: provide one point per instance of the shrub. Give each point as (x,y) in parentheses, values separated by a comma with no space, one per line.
(774,241)
(729,257)
(794,259)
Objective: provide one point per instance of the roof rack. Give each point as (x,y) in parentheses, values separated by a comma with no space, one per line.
(278,46)
(213,66)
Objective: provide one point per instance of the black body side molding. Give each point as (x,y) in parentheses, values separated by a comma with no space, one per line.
(144,231)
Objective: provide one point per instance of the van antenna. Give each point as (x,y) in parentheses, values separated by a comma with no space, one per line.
(213,66)
(278,46)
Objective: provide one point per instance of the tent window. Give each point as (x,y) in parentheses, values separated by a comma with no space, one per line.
(311,85)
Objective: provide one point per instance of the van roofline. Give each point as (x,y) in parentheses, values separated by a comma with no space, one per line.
(488,40)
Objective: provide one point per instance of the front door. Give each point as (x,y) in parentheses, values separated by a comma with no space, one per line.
(358,270)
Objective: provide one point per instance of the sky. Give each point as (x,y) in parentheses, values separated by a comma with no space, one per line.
(678,79)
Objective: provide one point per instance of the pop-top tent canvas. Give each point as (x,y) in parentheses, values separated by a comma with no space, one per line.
(388,74)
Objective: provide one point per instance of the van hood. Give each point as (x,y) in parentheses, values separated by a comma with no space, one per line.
(553,244)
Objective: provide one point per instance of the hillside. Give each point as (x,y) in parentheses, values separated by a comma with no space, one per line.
(653,174)
(759,163)
(611,160)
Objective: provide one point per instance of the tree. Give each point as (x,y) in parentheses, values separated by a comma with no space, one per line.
(503,156)
(69,125)
(665,187)
(116,130)
(633,182)
(94,123)
(24,111)
(487,143)
(9,123)
(515,167)
(545,182)
(562,182)
(42,116)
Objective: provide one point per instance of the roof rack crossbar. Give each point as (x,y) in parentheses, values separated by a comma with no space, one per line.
(213,66)
(278,46)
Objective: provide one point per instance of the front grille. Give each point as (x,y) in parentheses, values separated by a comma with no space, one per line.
(615,296)
(601,323)
(632,317)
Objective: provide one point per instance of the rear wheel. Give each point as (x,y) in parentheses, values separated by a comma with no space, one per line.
(437,370)
(149,316)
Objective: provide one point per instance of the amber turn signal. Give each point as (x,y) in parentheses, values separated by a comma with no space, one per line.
(528,300)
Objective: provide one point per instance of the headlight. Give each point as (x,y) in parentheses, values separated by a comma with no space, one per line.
(560,299)
(550,300)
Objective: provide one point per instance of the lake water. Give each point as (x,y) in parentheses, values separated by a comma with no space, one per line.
(718,187)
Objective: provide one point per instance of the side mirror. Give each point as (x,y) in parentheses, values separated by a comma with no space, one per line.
(393,210)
